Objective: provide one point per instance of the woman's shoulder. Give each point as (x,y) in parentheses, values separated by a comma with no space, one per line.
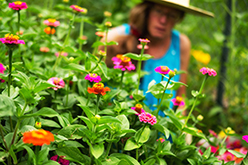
(117,31)
(185,45)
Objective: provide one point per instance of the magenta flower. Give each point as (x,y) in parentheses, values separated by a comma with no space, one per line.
(210,72)
(144,41)
(178,101)
(61,160)
(161,140)
(138,109)
(93,77)
(2,69)
(10,39)
(18,5)
(58,82)
(123,63)
(245,137)
(162,69)
(227,157)
(213,133)
(78,9)
(61,54)
(51,22)
(147,118)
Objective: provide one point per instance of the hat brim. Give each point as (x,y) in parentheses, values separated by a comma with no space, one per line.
(187,9)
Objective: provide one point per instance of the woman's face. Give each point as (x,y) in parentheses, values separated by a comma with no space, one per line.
(161,20)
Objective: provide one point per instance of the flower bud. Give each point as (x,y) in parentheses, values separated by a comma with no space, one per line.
(171,74)
(71,59)
(108,24)
(97,117)
(102,53)
(37,125)
(107,14)
(200,117)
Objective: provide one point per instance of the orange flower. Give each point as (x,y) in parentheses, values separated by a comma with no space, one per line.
(49,30)
(38,137)
(98,88)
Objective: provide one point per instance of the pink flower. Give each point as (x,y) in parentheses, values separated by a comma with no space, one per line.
(245,137)
(2,69)
(144,41)
(51,22)
(147,118)
(162,69)
(61,160)
(214,149)
(10,39)
(93,77)
(138,109)
(210,72)
(161,140)
(227,157)
(61,54)
(18,5)
(123,63)
(78,9)
(44,49)
(58,82)
(178,101)
(212,133)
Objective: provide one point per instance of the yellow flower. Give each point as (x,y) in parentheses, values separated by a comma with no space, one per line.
(228,130)
(200,56)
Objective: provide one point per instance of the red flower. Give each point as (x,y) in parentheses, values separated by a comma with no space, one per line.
(38,137)
(98,88)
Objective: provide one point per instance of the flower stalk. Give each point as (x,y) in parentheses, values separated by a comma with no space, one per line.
(139,66)
(81,32)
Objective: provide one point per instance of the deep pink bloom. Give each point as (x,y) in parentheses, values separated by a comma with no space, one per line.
(178,101)
(213,133)
(61,160)
(234,144)
(51,22)
(61,54)
(138,109)
(162,69)
(147,118)
(123,63)
(93,77)
(2,69)
(10,39)
(18,5)
(58,82)
(78,9)
(161,140)
(214,149)
(144,40)
(245,137)
(227,157)
(210,72)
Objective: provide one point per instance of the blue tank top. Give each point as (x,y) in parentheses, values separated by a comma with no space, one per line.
(170,59)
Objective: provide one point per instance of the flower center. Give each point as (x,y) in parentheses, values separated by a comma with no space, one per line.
(39,133)
(179,99)
(17,2)
(56,81)
(78,7)
(138,108)
(119,56)
(93,75)
(11,37)
(164,68)
(51,20)
(98,87)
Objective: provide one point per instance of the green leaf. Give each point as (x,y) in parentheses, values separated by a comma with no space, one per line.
(97,43)
(3,156)
(162,161)
(104,69)
(127,158)
(87,121)
(132,56)
(87,111)
(41,85)
(142,135)
(108,119)
(51,162)
(192,161)
(97,150)
(237,154)
(111,161)
(112,43)
(131,144)
(73,154)
(138,96)
(42,155)
(12,154)
(207,153)
(162,129)
(76,67)
(31,155)
(7,106)
(69,49)
(175,120)
(45,111)
(150,162)
(194,93)
(49,123)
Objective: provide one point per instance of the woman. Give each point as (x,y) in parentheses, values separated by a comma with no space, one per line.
(155,20)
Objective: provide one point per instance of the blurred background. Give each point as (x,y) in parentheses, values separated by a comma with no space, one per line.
(220,43)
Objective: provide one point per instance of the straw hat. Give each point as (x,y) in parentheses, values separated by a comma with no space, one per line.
(184,5)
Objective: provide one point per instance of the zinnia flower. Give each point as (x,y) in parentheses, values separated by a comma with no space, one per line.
(78,9)
(58,82)
(138,109)
(144,41)
(93,77)
(51,22)
(61,160)
(100,34)
(227,157)
(2,69)
(210,72)
(245,137)
(10,39)
(18,5)
(107,14)
(161,140)
(162,69)
(98,89)
(201,56)
(123,63)
(147,118)
(49,30)
(57,54)
(108,24)
(44,49)
(213,133)
(38,137)
(178,101)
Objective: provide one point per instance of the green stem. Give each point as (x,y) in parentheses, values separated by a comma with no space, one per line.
(193,106)
(67,93)
(139,66)
(122,75)
(18,23)
(1,131)
(137,154)
(97,103)
(109,146)
(100,59)
(81,32)
(10,70)
(106,40)
(157,110)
